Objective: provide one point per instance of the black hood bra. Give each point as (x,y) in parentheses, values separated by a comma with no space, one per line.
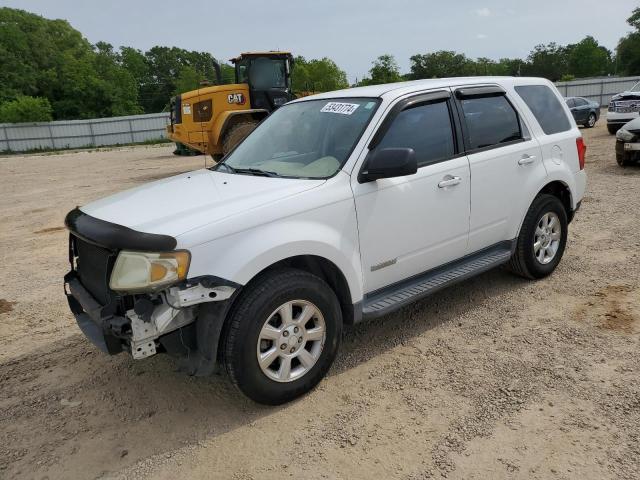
(114,236)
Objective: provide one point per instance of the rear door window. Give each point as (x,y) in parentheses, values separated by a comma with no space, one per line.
(426,129)
(490,121)
(546,107)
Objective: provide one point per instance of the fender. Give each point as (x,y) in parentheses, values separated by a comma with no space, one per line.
(264,247)
(222,121)
(559,174)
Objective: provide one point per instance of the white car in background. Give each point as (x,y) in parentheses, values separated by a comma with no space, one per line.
(338,208)
(623,108)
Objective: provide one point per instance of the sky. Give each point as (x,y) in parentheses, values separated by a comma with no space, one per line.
(351,32)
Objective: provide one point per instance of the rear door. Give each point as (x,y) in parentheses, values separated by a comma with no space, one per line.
(504,160)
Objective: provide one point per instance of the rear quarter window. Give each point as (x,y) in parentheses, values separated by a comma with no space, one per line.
(546,107)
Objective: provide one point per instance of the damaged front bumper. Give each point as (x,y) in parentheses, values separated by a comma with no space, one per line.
(140,329)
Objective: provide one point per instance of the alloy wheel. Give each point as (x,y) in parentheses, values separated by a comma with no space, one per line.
(291,341)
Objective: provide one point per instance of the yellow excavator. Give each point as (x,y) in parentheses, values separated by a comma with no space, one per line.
(214,119)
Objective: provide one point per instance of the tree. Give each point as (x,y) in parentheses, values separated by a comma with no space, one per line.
(548,61)
(321,75)
(165,65)
(441,64)
(628,55)
(48,58)
(188,79)
(384,70)
(588,59)
(26,109)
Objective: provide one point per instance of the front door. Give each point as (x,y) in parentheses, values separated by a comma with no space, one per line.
(411,224)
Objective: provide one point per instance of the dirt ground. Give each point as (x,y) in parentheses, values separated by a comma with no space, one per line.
(495,378)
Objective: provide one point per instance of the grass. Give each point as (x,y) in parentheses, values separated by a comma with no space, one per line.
(54,151)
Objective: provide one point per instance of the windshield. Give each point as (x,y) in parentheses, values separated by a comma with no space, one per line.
(267,73)
(635,88)
(310,139)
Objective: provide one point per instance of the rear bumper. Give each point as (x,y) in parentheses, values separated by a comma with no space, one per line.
(92,318)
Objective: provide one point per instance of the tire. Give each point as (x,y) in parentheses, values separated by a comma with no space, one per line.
(622,160)
(613,129)
(591,121)
(258,309)
(526,261)
(236,134)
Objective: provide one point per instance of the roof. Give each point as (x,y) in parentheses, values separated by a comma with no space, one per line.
(393,90)
(253,54)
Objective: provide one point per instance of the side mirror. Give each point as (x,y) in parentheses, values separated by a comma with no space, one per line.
(388,163)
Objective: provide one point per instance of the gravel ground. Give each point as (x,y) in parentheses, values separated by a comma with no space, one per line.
(497,377)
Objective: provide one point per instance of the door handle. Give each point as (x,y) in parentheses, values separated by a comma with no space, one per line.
(449,181)
(527,159)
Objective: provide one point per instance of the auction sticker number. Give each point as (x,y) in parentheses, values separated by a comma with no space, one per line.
(341,108)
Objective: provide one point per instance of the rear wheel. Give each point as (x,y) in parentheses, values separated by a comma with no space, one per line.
(236,134)
(591,121)
(542,239)
(283,336)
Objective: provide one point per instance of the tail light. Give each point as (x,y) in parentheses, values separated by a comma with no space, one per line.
(582,149)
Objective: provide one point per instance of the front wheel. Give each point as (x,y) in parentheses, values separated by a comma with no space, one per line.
(613,129)
(236,134)
(622,160)
(283,336)
(542,238)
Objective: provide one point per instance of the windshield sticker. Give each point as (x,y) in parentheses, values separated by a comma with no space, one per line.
(369,105)
(186,109)
(341,108)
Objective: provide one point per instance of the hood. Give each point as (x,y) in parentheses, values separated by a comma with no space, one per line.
(626,96)
(175,205)
(633,125)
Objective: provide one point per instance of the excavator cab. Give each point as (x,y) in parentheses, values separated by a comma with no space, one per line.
(268,75)
(214,119)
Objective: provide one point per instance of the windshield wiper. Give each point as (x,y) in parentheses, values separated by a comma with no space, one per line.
(254,171)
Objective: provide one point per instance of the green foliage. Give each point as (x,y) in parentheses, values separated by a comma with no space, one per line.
(384,70)
(548,61)
(48,58)
(583,59)
(588,59)
(441,64)
(26,109)
(628,59)
(188,79)
(315,75)
(228,73)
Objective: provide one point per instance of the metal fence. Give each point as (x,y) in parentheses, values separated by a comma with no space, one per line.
(20,137)
(598,89)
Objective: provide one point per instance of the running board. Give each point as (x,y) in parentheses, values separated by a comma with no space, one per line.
(394,297)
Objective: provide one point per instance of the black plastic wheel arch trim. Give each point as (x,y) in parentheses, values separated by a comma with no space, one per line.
(115,237)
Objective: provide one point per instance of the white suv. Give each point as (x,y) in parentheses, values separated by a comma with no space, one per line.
(338,208)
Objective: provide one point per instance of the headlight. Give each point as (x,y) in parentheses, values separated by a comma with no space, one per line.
(144,271)
(625,135)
